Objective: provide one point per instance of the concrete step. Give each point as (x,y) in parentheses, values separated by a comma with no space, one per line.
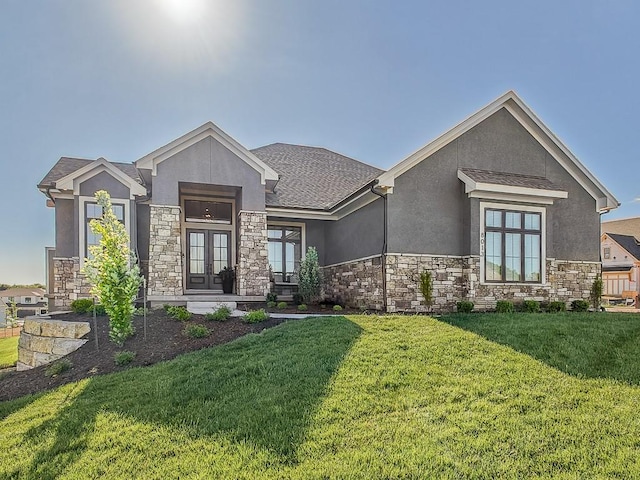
(202,308)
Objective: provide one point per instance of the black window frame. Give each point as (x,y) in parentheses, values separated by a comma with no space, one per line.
(503,230)
(286,276)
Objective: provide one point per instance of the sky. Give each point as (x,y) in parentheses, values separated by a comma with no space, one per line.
(374,80)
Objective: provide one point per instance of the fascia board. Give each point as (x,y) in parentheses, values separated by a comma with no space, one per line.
(73,180)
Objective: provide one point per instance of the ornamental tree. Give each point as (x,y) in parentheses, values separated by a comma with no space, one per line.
(112,270)
(310,277)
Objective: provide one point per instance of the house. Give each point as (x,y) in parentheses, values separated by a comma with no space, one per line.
(28,301)
(495,208)
(625,226)
(3,314)
(620,265)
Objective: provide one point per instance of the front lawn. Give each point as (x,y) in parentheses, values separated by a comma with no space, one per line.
(363,397)
(8,351)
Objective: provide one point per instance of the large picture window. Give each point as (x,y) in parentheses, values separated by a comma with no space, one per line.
(285,252)
(92,211)
(512,246)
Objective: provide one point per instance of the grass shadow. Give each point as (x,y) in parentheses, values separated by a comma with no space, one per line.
(586,345)
(262,389)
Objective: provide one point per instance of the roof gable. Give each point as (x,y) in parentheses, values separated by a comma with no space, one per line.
(627,242)
(73,180)
(524,115)
(209,129)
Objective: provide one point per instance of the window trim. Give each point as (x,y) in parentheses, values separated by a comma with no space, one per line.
(303,241)
(543,240)
(83,224)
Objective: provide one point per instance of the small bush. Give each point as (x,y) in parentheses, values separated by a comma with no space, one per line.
(504,306)
(337,308)
(222,314)
(272,304)
(555,307)
(167,307)
(196,331)
(124,358)
(531,306)
(272,297)
(302,307)
(256,316)
(82,305)
(297,299)
(56,368)
(100,310)
(179,313)
(282,305)
(140,311)
(595,294)
(464,306)
(579,306)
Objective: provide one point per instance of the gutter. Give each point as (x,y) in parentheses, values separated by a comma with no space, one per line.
(383,256)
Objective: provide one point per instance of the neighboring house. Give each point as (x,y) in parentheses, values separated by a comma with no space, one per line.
(496,208)
(620,264)
(626,226)
(29,301)
(3,314)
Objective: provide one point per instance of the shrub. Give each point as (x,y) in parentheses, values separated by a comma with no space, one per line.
(297,299)
(579,306)
(426,287)
(272,304)
(56,368)
(82,305)
(337,308)
(302,307)
(196,331)
(282,305)
(531,306)
(555,307)
(222,314)
(272,297)
(310,276)
(179,313)
(464,306)
(504,306)
(140,311)
(112,270)
(124,358)
(100,310)
(256,316)
(166,307)
(595,295)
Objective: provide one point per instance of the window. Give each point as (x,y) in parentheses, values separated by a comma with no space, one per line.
(285,252)
(513,247)
(607,253)
(27,299)
(200,211)
(92,211)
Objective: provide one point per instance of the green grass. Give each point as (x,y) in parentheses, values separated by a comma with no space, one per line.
(363,397)
(8,351)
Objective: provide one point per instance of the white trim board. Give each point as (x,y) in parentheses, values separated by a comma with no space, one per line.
(74,179)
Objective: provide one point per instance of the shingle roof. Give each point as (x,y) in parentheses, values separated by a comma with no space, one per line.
(66,165)
(617,268)
(628,242)
(312,177)
(625,226)
(22,292)
(511,179)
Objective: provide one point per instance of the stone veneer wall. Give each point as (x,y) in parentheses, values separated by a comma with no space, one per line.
(457,278)
(69,283)
(43,341)
(253,264)
(356,284)
(165,254)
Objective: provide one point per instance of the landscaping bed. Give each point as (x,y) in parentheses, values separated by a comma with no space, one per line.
(165,340)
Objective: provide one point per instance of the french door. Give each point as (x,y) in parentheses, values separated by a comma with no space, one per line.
(208,252)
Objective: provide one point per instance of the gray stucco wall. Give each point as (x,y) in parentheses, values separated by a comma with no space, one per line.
(357,235)
(104,181)
(207,162)
(430,213)
(142,218)
(66,237)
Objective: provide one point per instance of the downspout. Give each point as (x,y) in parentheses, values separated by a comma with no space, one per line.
(383,255)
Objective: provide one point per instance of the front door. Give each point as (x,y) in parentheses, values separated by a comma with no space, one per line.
(208,252)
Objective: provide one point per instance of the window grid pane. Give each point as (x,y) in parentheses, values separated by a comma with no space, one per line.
(494,218)
(493,257)
(512,219)
(532,258)
(285,251)
(196,253)
(512,257)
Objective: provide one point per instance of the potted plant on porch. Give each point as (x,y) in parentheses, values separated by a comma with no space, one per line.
(228,276)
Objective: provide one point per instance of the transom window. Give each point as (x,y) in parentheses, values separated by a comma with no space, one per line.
(285,252)
(93,211)
(201,211)
(513,246)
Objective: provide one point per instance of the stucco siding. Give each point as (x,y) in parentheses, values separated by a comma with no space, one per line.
(104,181)
(142,222)
(207,162)
(66,242)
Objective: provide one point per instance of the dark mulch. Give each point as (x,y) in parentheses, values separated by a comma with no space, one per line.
(165,340)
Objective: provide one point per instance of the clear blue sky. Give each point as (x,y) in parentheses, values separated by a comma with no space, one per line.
(374,80)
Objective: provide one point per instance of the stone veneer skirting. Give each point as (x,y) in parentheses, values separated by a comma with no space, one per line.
(69,283)
(455,278)
(253,263)
(165,253)
(43,341)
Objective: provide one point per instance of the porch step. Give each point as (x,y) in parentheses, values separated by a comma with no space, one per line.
(201,308)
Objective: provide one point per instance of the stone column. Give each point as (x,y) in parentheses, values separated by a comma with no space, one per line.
(253,261)
(69,283)
(165,253)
